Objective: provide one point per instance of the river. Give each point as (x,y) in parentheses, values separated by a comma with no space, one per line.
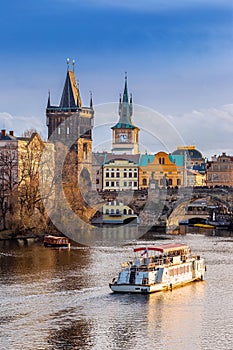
(60,299)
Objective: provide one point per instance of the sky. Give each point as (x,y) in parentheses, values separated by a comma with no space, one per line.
(178,55)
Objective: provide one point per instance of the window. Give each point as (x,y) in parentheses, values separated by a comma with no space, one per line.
(117,174)
(107,174)
(169,182)
(112,174)
(85,151)
(130,174)
(135,184)
(161,160)
(97,181)
(144,182)
(107,183)
(125,174)
(112,183)
(178,182)
(125,184)
(135,175)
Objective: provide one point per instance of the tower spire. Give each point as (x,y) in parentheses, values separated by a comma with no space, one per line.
(125,94)
(48,104)
(71,96)
(91,101)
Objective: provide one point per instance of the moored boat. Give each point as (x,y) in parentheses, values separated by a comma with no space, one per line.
(207,226)
(159,268)
(54,241)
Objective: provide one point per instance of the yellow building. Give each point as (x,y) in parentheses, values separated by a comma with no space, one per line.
(24,175)
(160,169)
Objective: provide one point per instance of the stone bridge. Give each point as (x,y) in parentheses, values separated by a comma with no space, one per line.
(159,206)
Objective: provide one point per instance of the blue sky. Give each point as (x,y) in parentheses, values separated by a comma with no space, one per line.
(178,55)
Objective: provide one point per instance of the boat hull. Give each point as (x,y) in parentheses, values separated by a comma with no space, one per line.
(147,289)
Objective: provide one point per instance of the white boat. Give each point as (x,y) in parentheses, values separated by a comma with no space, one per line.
(159,268)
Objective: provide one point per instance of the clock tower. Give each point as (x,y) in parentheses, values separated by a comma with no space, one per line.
(125,133)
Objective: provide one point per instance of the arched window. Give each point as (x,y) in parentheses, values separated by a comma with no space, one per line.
(107,211)
(144,182)
(125,212)
(130,212)
(169,182)
(161,160)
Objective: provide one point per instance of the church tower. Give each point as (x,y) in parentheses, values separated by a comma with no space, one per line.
(125,133)
(71,124)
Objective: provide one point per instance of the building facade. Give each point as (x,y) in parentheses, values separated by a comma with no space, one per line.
(159,168)
(219,171)
(121,173)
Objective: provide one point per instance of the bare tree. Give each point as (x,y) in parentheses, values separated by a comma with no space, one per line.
(8,182)
(30,196)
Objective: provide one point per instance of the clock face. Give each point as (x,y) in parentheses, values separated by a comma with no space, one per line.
(123,137)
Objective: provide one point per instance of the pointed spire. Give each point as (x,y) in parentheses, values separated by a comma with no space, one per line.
(91,101)
(48,104)
(125,95)
(70,96)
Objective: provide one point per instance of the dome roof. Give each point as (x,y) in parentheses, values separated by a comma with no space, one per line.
(191,153)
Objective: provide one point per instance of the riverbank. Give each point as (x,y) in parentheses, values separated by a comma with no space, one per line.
(10,235)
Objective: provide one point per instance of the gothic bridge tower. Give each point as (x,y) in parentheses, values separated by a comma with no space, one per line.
(71,123)
(125,133)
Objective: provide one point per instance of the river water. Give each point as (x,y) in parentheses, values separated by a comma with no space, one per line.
(60,299)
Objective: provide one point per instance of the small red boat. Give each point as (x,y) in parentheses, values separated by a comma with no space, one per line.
(54,241)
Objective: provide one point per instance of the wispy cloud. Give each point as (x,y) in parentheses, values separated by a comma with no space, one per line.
(209,129)
(151,5)
(20,123)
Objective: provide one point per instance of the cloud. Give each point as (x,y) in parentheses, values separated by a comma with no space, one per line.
(19,124)
(209,129)
(152,5)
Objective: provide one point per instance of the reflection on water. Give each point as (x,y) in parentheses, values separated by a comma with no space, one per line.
(60,299)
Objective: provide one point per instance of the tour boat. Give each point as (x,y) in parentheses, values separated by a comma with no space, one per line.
(54,241)
(159,268)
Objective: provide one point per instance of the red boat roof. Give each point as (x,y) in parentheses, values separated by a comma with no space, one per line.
(164,248)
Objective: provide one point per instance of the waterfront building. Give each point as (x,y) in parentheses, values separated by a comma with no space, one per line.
(23,176)
(121,172)
(161,169)
(219,171)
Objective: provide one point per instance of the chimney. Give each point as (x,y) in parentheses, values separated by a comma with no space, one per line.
(11,132)
(3,131)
